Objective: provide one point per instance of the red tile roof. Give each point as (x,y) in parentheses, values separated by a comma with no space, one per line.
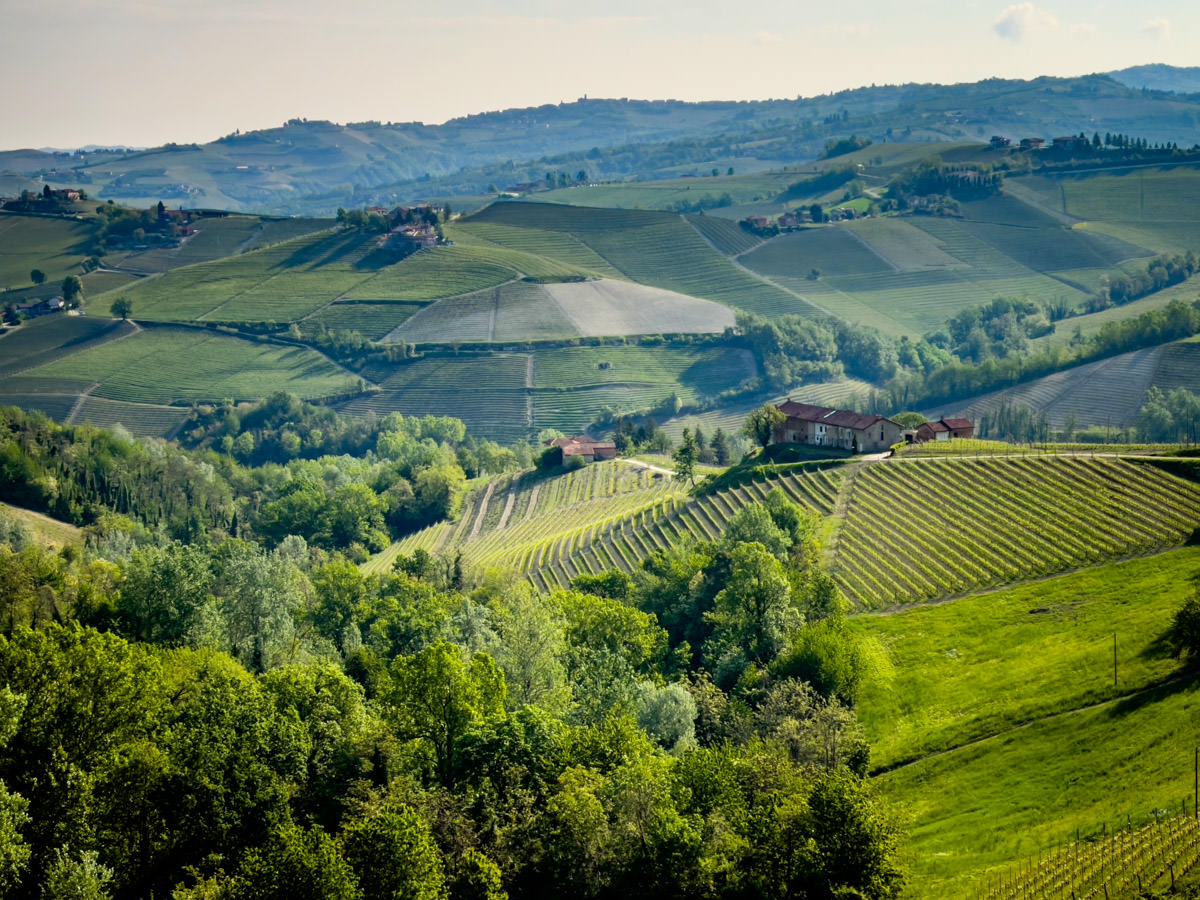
(842,418)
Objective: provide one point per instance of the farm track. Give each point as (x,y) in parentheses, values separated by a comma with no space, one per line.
(70,419)
(1048,717)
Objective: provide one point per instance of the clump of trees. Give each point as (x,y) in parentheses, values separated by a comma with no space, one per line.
(1173,417)
(220,719)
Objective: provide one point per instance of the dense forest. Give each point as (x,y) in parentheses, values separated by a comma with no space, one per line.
(203,702)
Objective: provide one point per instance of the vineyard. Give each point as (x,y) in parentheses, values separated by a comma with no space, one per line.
(1124,864)
(928,528)
(170,365)
(605,516)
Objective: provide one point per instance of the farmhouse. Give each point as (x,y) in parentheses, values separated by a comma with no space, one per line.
(944,429)
(582,446)
(825,427)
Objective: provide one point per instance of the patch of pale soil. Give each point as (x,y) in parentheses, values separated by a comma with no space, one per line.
(608,307)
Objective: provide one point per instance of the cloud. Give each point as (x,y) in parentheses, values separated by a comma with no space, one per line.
(765,38)
(1023,19)
(1159,29)
(1085,29)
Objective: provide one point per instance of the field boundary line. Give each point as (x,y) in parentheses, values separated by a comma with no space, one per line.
(70,418)
(737,263)
(862,240)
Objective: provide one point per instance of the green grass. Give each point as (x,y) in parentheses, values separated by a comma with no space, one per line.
(969,668)
(658,249)
(46,338)
(923,529)
(371,319)
(433,273)
(969,674)
(666,194)
(56,246)
(46,531)
(166,366)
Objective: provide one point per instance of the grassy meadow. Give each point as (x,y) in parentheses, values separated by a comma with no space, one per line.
(1001,731)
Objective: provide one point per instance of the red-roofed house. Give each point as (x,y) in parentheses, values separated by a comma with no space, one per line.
(587,448)
(825,427)
(944,429)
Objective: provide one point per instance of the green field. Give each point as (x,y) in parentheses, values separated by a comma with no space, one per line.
(924,529)
(658,249)
(1108,393)
(668,193)
(374,320)
(54,245)
(218,237)
(1005,702)
(168,366)
(510,396)
(486,392)
(46,338)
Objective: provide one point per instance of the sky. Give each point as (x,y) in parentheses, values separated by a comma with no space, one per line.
(145,72)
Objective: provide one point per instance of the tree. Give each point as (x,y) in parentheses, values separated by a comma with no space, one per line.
(394,855)
(760,425)
(72,291)
(37,276)
(1184,633)
(440,699)
(297,864)
(685,458)
(753,612)
(122,308)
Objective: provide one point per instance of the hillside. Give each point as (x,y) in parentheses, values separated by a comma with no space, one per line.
(994,521)
(310,167)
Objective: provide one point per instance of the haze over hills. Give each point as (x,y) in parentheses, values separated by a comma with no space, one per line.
(313,167)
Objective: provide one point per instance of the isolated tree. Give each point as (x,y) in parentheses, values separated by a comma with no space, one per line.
(72,291)
(760,425)
(685,458)
(1184,633)
(37,276)
(122,308)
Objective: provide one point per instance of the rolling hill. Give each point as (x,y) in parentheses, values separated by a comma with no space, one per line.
(311,167)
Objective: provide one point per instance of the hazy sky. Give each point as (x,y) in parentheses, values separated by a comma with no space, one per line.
(143,72)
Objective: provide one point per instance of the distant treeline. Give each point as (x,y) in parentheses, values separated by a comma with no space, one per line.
(297,480)
(957,380)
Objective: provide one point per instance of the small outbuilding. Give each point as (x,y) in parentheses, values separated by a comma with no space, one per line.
(944,429)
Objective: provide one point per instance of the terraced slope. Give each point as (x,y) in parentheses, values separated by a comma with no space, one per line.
(606,516)
(1106,393)
(924,529)
(657,249)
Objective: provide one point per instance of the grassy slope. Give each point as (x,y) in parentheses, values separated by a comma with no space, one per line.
(172,366)
(47,531)
(969,673)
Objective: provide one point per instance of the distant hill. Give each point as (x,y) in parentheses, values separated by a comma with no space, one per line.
(1158,77)
(312,167)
